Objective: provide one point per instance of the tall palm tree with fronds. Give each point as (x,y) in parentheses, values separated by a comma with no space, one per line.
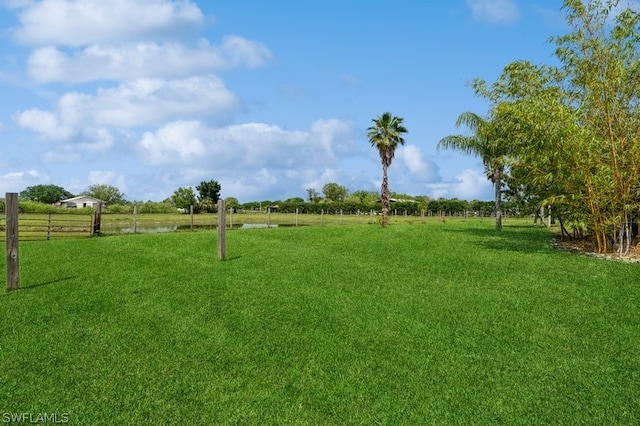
(385,135)
(485,142)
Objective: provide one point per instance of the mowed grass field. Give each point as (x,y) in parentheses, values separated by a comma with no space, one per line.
(424,323)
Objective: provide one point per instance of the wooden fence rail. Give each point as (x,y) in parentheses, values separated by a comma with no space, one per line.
(47,226)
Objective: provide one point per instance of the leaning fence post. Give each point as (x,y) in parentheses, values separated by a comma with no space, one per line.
(222,230)
(11,236)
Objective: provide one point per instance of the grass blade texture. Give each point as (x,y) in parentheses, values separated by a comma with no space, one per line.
(430,323)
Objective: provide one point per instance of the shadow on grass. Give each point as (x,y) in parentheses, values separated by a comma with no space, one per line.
(230,259)
(519,238)
(34,286)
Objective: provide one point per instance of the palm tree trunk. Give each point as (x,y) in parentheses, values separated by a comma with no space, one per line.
(498,193)
(384,196)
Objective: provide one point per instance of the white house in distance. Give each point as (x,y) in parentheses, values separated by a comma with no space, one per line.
(80,201)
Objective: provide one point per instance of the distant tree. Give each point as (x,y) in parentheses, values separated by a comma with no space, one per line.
(206,205)
(385,135)
(401,196)
(232,203)
(208,195)
(47,194)
(107,193)
(183,198)
(334,192)
(312,195)
(294,200)
(360,194)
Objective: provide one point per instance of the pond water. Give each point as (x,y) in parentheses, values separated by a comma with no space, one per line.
(148,229)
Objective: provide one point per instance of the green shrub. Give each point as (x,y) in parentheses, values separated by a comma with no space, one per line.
(26,206)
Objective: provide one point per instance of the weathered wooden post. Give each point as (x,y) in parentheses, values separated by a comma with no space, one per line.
(296,217)
(222,229)
(135,218)
(97,218)
(191,216)
(11,236)
(49,227)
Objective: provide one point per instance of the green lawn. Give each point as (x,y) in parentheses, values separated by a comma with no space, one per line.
(424,323)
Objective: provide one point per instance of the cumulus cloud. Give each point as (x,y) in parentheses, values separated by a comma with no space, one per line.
(249,146)
(45,123)
(143,60)
(471,184)
(82,22)
(99,177)
(135,103)
(18,181)
(418,167)
(252,158)
(494,11)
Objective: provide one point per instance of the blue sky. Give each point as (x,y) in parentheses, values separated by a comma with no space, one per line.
(268,98)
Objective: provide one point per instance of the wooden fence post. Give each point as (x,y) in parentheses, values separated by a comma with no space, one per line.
(135,218)
(222,229)
(97,219)
(191,216)
(11,236)
(49,227)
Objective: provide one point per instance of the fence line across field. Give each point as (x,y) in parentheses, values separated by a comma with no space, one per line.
(47,226)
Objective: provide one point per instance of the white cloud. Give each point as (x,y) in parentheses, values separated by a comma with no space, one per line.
(471,184)
(18,181)
(467,185)
(152,101)
(418,167)
(143,60)
(98,177)
(136,103)
(45,123)
(239,51)
(176,143)
(81,22)
(250,146)
(494,11)
(251,158)
(97,140)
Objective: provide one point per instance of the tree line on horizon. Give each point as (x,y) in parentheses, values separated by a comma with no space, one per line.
(333,198)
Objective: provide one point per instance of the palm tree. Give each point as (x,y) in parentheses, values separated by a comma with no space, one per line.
(385,135)
(484,142)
